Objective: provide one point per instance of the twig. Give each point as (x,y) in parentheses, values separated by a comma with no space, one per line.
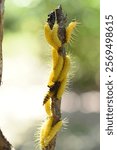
(60,18)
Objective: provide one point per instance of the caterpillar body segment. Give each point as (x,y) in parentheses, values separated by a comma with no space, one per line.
(51,83)
(61,89)
(48,34)
(47,126)
(45,129)
(55,57)
(42,136)
(47,106)
(52,36)
(47,97)
(56,72)
(65,69)
(58,68)
(55,37)
(69,30)
(54,130)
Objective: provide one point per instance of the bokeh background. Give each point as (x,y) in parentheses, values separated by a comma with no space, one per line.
(27,62)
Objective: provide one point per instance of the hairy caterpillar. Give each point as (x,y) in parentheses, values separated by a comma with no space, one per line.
(48,34)
(47,106)
(69,30)
(65,69)
(53,132)
(63,77)
(47,132)
(52,36)
(45,129)
(55,37)
(61,88)
(56,71)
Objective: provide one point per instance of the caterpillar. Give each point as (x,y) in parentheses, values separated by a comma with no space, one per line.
(56,71)
(45,129)
(65,69)
(63,77)
(69,30)
(52,36)
(47,106)
(53,132)
(47,132)
(61,88)
(55,37)
(48,34)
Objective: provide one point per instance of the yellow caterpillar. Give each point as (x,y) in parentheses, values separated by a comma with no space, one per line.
(69,30)
(48,34)
(65,69)
(52,36)
(55,37)
(55,67)
(45,129)
(53,132)
(47,132)
(56,72)
(47,106)
(61,88)
(63,77)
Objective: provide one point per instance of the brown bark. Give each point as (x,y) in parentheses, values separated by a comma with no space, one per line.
(1,35)
(4,144)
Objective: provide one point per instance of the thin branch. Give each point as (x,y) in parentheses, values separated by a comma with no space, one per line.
(1,35)
(61,19)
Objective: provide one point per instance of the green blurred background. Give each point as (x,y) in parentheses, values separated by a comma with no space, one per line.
(27,61)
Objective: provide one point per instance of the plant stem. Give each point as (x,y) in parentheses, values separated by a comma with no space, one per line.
(60,18)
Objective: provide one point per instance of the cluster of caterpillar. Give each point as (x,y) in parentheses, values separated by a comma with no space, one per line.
(57,80)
